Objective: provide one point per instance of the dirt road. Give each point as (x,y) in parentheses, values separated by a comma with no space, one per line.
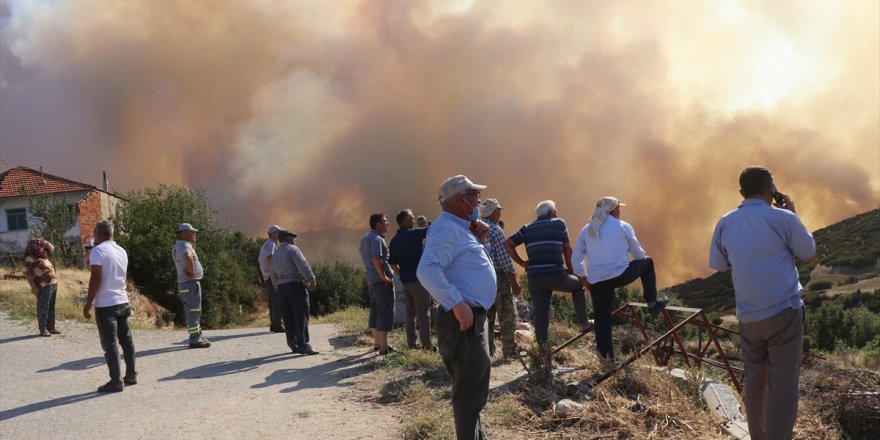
(246,386)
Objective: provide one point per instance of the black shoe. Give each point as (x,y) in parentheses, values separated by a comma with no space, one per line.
(388,350)
(307,350)
(111,387)
(129,382)
(53,331)
(659,305)
(201,343)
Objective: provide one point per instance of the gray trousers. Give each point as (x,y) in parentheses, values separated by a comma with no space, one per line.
(418,302)
(46,306)
(541,289)
(191,295)
(274,301)
(112,325)
(771,351)
(466,357)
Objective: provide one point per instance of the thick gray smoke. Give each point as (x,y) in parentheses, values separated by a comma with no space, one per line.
(314,115)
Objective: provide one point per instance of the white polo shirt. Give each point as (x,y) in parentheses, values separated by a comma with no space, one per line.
(114,263)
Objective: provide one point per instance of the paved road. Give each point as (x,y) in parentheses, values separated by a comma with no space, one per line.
(247,385)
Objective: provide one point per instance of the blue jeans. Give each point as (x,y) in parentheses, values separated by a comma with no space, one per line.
(112,324)
(602,294)
(46,306)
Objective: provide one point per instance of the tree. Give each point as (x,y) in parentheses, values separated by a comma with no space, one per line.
(51,218)
(146,228)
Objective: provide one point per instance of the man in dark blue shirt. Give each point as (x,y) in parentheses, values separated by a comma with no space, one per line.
(547,246)
(406,251)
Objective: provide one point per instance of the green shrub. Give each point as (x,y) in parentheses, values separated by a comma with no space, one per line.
(820,285)
(146,227)
(339,286)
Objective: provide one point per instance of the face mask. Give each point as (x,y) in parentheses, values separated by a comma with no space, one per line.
(474,215)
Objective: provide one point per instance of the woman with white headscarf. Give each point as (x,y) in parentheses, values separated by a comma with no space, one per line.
(608,243)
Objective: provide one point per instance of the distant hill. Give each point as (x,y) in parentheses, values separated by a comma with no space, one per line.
(853,243)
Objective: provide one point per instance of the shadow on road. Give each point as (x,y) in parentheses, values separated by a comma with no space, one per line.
(226,367)
(18,338)
(325,375)
(218,338)
(39,406)
(85,364)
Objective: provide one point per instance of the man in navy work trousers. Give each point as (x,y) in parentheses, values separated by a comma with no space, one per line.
(293,276)
(759,243)
(456,269)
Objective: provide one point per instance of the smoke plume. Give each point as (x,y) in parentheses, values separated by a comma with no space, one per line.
(313,114)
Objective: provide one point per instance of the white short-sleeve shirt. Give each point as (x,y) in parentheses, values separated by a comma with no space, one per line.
(114,262)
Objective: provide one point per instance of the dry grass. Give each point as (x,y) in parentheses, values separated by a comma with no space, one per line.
(17,299)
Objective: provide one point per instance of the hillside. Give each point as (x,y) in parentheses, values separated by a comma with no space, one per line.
(849,246)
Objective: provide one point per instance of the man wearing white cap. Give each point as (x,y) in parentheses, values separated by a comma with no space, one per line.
(605,242)
(265,260)
(508,286)
(189,273)
(456,269)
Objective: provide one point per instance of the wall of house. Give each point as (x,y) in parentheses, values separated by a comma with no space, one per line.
(15,241)
(93,208)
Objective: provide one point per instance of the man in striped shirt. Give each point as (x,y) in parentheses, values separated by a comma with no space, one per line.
(293,276)
(547,246)
(508,286)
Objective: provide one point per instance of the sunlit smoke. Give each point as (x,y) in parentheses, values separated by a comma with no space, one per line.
(314,114)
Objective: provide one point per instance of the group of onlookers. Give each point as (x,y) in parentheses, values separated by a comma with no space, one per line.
(464,262)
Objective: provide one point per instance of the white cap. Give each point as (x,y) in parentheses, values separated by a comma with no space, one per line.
(274,228)
(608,203)
(186,227)
(455,185)
(489,206)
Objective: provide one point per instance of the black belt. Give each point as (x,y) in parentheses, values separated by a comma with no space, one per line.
(474,309)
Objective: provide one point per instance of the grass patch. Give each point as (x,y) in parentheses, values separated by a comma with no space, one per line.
(506,409)
(405,390)
(304,414)
(429,427)
(351,320)
(17,299)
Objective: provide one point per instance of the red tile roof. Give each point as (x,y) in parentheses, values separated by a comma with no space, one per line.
(12,180)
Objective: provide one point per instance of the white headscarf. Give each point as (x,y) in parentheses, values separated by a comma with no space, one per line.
(603,207)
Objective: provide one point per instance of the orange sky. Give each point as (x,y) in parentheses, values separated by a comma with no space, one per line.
(314,114)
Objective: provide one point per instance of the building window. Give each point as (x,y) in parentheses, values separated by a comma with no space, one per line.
(16,219)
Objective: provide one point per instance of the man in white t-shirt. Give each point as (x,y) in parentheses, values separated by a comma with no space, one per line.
(267,251)
(109,263)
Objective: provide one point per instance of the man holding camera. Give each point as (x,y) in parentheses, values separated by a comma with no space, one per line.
(759,243)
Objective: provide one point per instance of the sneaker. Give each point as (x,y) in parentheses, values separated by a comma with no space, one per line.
(588,327)
(201,343)
(53,331)
(45,333)
(659,305)
(111,387)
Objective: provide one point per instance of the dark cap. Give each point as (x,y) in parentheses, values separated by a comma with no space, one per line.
(286,233)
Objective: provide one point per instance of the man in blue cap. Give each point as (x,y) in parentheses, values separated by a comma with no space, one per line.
(189,273)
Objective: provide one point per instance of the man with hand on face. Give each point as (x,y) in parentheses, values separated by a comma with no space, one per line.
(456,269)
(759,243)
(189,273)
(109,263)
(375,255)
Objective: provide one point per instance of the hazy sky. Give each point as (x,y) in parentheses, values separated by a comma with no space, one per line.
(315,114)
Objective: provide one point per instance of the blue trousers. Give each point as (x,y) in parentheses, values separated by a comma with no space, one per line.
(295,313)
(602,294)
